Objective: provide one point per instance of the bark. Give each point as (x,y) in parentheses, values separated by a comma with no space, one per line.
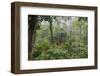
(70,36)
(31,35)
(80,26)
(80,36)
(51,31)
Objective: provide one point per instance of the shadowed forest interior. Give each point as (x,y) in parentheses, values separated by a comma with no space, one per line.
(57,37)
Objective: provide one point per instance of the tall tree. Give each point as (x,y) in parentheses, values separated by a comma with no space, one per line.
(32,22)
(50,20)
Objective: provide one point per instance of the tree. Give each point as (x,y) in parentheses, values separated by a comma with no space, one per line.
(33,20)
(50,20)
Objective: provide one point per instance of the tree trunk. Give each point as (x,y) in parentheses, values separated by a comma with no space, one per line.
(80,36)
(31,34)
(80,26)
(51,31)
(70,36)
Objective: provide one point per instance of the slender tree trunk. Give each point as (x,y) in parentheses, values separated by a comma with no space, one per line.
(70,32)
(80,38)
(51,31)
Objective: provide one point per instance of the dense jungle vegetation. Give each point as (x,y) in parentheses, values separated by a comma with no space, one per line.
(57,37)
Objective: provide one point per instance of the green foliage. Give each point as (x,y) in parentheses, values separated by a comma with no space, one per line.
(52,53)
(70,41)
